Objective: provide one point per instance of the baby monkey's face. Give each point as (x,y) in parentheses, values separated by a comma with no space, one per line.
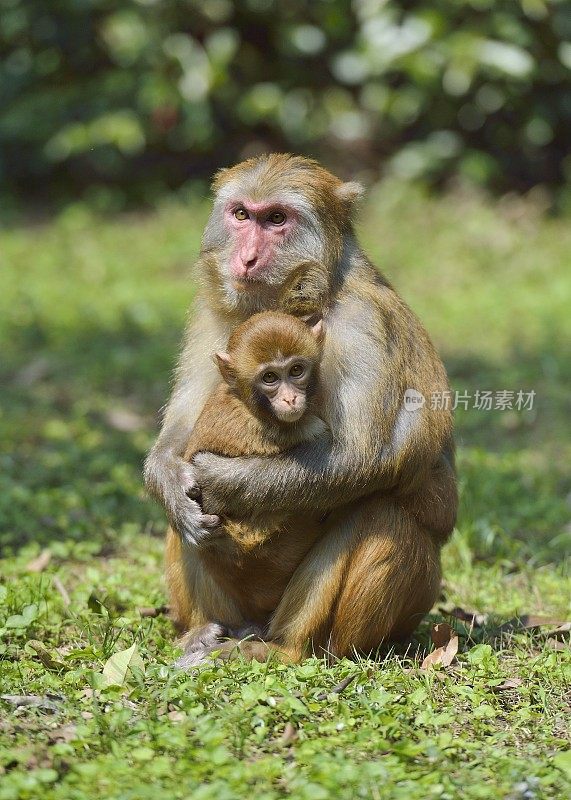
(272,364)
(281,387)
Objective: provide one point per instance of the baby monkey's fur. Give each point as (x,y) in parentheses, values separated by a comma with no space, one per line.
(249,562)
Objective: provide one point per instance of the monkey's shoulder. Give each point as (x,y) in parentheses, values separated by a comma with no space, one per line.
(227,427)
(368,312)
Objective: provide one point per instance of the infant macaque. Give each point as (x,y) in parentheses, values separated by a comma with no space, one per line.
(265,404)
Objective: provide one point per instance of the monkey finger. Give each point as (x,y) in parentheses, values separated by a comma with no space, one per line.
(209,521)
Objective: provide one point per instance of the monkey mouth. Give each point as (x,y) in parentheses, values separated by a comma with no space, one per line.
(248,282)
(257,276)
(290,416)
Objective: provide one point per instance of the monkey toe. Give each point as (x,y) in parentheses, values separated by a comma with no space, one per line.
(191,659)
(249,631)
(198,643)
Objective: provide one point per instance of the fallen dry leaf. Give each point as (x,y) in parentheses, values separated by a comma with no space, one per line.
(509,683)
(62,590)
(45,656)
(339,688)
(562,631)
(529,621)
(445,653)
(67,733)
(473,618)
(441,634)
(33,701)
(536,621)
(152,611)
(555,644)
(40,563)
(176,716)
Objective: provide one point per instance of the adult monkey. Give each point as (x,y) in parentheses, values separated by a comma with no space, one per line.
(385,474)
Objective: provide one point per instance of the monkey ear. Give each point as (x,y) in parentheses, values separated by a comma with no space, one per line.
(318,330)
(350,192)
(224,364)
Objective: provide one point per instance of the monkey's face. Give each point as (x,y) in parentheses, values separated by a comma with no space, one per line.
(270,215)
(263,242)
(281,388)
(258,231)
(272,364)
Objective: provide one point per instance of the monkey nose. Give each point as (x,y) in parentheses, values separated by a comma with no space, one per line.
(250,262)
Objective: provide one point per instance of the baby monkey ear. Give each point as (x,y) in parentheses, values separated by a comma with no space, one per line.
(315,324)
(224,364)
(317,330)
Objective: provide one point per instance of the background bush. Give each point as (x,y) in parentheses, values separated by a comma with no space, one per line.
(133,96)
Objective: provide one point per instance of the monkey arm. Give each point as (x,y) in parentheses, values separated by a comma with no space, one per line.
(168,477)
(375,444)
(317,475)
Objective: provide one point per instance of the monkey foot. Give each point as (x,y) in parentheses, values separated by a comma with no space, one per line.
(213,637)
(200,643)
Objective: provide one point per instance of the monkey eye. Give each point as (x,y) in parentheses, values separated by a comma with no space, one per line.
(297,371)
(277,218)
(270,377)
(241,214)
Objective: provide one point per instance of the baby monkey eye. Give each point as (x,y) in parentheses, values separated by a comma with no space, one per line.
(277,218)
(297,371)
(270,377)
(241,214)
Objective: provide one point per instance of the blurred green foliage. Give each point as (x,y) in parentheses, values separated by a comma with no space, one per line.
(89,338)
(127,97)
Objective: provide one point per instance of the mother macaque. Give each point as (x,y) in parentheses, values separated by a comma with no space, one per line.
(384,472)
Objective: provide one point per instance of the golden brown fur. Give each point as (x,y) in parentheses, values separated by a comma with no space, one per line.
(250,561)
(386,474)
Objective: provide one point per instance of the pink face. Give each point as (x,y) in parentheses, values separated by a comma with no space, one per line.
(284,383)
(257,229)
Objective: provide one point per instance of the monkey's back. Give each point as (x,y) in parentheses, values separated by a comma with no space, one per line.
(227,427)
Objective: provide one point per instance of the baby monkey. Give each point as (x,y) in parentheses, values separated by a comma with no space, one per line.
(271,368)
(265,404)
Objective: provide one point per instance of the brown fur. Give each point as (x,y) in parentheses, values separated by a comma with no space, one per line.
(386,476)
(250,560)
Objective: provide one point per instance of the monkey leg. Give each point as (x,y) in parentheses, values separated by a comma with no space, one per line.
(370,579)
(393,579)
(200,608)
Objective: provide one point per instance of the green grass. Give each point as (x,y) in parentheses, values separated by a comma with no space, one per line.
(91,313)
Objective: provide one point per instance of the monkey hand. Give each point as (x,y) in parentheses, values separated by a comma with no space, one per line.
(195,528)
(173,482)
